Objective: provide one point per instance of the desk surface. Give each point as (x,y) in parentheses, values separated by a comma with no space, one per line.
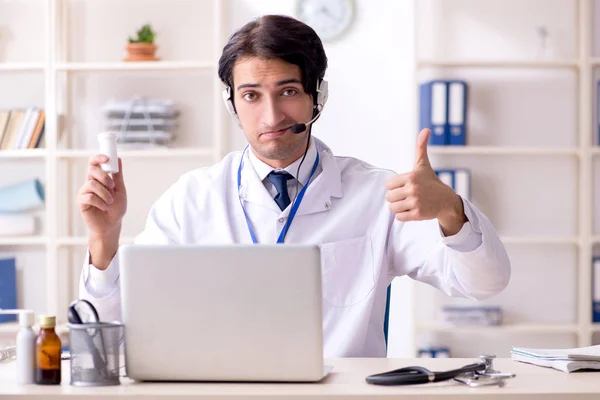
(346,380)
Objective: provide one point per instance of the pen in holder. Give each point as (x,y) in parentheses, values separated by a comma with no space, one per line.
(94,347)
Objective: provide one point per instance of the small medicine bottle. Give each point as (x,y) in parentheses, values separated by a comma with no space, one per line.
(48,348)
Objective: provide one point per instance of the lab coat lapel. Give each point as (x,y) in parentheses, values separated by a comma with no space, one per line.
(326,185)
(318,195)
(253,190)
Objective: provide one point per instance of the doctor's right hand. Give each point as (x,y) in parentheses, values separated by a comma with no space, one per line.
(102,201)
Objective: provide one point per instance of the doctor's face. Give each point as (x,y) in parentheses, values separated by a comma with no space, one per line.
(269,98)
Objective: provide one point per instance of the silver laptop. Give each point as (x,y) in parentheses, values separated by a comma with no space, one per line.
(222,313)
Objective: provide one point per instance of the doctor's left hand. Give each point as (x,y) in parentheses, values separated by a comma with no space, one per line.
(420,195)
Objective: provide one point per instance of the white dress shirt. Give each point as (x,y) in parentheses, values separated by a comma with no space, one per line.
(363,246)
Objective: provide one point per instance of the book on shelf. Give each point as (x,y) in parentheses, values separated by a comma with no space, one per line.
(8,287)
(21,128)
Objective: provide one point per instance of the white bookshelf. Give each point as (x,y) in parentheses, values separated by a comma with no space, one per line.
(76,81)
(489,150)
(141,153)
(565,254)
(552,64)
(26,153)
(7,67)
(514,328)
(137,66)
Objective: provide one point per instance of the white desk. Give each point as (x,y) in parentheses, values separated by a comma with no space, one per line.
(347,380)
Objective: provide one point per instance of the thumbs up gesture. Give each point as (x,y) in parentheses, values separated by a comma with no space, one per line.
(419,195)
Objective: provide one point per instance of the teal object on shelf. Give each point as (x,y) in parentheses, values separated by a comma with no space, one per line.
(21,196)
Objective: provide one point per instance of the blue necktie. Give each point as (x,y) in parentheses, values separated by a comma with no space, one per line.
(279,180)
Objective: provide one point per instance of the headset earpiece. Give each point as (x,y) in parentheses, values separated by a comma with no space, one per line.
(322,94)
(226,93)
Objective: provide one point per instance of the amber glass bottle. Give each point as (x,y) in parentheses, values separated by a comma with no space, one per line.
(48,348)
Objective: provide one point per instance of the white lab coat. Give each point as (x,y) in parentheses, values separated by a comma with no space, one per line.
(344,210)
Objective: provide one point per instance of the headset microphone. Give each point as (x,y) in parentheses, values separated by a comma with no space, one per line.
(299,128)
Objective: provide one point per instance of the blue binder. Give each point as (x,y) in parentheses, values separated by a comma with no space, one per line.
(458,179)
(8,288)
(434,110)
(457,112)
(596,289)
(598,113)
(462,182)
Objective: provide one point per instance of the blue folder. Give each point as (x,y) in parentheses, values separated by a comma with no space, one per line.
(434,111)
(8,288)
(457,112)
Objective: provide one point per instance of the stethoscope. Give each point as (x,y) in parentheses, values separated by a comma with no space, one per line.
(295,204)
(83,312)
(478,374)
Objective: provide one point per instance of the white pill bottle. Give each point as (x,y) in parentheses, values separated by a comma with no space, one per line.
(108,146)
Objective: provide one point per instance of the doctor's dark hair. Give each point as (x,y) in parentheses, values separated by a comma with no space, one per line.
(277,36)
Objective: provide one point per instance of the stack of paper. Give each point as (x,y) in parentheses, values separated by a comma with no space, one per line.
(566,360)
(141,121)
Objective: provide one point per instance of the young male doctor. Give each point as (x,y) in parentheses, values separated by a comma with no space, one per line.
(288,187)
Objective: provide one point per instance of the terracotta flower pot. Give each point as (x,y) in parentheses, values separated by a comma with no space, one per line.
(141,52)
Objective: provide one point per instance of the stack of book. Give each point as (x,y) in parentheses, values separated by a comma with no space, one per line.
(566,360)
(471,315)
(142,122)
(21,128)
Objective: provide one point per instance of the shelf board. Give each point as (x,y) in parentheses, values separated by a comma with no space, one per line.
(596,150)
(23,153)
(595,327)
(141,153)
(136,66)
(542,64)
(83,240)
(12,328)
(9,328)
(23,240)
(491,150)
(18,67)
(556,328)
(595,239)
(539,240)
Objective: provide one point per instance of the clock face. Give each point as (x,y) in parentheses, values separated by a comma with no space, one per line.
(329,18)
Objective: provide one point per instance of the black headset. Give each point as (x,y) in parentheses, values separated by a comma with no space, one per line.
(322,96)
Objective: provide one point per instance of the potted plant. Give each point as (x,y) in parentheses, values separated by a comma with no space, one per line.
(142,48)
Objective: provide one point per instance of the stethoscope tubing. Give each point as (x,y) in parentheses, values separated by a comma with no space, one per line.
(420,375)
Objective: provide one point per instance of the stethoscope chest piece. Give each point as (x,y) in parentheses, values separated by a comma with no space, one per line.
(487,377)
